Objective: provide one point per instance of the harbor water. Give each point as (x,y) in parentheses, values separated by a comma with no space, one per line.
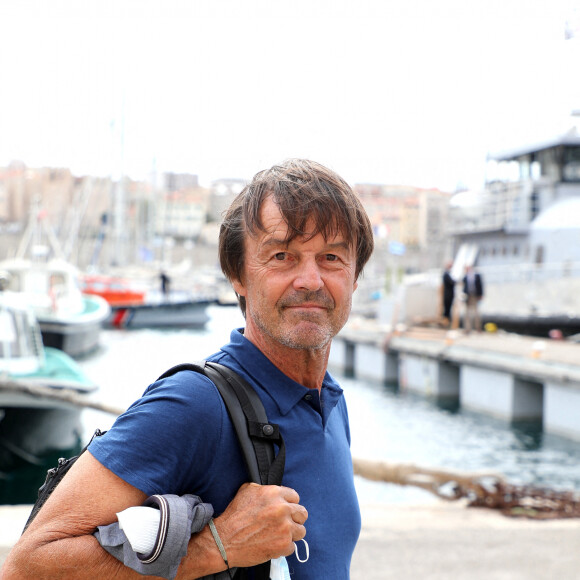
(386,424)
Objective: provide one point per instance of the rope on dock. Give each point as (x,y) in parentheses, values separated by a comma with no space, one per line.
(62,395)
(480,489)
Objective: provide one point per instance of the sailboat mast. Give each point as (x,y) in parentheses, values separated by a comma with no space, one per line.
(119,217)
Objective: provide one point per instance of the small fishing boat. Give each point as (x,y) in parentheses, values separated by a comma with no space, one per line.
(41,393)
(68,319)
(115,290)
(177,310)
(136,304)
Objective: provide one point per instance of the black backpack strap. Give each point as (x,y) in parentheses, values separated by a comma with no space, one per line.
(256,435)
(196,367)
(263,434)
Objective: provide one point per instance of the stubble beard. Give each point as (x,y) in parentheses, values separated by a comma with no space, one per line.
(316,329)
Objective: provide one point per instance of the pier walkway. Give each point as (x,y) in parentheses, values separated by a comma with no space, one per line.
(505,375)
(564,353)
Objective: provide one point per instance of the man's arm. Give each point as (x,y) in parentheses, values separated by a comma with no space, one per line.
(59,542)
(260,523)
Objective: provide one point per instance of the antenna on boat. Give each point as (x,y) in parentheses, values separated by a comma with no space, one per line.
(36,231)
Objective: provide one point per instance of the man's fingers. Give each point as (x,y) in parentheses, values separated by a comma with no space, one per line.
(290,495)
(298,533)
(300,515)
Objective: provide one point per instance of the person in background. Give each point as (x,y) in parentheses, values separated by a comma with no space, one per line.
(448,292)
(473,290)
(293,244)
(164,284)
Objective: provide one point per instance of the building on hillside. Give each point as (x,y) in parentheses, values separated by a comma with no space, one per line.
(21,185)
(181,212)
(179,181)
(410,223)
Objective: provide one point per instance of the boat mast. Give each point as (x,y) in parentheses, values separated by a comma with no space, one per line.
(118,209)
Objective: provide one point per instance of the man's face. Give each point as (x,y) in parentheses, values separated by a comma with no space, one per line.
(298,295)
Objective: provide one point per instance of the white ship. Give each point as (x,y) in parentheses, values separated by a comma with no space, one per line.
(522,233)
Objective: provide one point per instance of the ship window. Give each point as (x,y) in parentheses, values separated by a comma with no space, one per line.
(525,168)
(57,279)
(549,163)
(7,327)
(539,255)
(516,250)
(23,336)
(534,204)
(571,170)
(14,282)
(12,334)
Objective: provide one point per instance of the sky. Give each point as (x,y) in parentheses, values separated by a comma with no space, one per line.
(411,92)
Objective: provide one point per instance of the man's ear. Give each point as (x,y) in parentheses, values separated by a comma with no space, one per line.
(238,287)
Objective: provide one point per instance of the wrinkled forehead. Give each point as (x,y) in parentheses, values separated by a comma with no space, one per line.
(288,224)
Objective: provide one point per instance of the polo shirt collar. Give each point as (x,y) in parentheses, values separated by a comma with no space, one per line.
(285,392)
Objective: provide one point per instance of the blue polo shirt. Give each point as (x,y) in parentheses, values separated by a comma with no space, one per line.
(177,438)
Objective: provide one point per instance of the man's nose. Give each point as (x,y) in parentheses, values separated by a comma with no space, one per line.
(308,276)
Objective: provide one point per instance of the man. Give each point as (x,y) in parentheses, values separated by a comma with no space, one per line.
(473,290)
(293,244)
(448,292)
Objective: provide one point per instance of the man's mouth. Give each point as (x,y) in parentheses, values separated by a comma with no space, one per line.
(312,303)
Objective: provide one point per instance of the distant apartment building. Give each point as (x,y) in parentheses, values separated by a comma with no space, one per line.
(20,185)
(409,222)
(179,181)
(181,209)
(54,190)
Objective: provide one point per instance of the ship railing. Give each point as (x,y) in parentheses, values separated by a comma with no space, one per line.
(505,273)
(509,273)
(504,206)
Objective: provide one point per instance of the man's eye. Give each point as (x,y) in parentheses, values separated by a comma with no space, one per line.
(331,258)
(280,256)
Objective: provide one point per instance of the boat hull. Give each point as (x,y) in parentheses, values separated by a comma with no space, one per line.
(31,442)
(76,340)
(76,335)
(39,423)
(173,314)
(540,326)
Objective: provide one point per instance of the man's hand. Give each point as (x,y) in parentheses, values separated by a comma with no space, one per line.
(261,523)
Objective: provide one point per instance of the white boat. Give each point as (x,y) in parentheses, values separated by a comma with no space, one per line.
(38,422)
(68,319)
(522,233)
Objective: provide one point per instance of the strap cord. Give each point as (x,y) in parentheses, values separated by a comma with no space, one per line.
(220,545)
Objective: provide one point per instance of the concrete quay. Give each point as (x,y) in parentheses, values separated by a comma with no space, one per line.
(505,375)
(433,541)
(448,541)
